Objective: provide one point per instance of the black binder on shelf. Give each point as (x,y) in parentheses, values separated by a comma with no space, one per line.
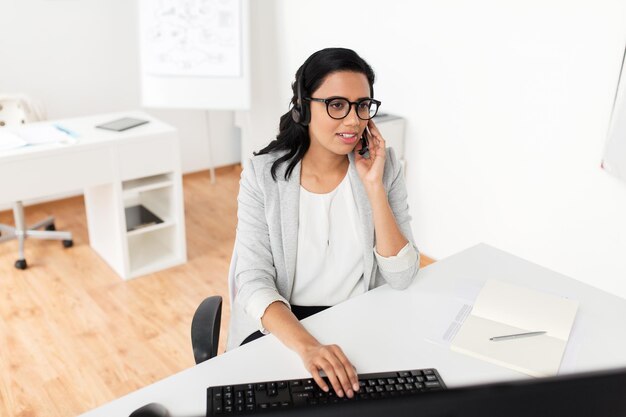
(138,217)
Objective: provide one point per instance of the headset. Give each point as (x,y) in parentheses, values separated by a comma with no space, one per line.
(301,114)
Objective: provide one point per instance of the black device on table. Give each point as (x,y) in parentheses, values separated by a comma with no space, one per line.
(305,393)
(125,123)
(592,394)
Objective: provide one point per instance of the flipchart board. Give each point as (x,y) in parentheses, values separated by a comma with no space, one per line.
(195,54)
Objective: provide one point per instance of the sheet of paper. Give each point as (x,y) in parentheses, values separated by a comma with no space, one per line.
(537,356)
(504,309)
(40,134)
(9,140)
(526,308)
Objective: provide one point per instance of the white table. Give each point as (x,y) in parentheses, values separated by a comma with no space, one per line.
(116,170)
(389,330)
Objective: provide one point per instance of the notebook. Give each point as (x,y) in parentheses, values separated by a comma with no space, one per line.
(505,309)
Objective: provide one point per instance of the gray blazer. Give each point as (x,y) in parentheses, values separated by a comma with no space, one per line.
(267,235)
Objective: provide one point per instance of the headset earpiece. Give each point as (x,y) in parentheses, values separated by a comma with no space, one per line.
(300,112)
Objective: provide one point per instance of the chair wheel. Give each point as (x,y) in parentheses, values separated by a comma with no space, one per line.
(51,227)
(21,264)
(68,243)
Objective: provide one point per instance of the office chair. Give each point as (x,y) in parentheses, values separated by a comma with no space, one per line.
(16,111)
(205,325)
(205,328)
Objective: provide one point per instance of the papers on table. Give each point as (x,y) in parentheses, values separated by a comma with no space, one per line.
(9,140)
(37,134)
(506,309)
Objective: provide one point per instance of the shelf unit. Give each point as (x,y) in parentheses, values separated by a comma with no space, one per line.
(148,174)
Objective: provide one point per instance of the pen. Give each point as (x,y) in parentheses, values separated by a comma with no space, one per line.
(66,130)
(516,336)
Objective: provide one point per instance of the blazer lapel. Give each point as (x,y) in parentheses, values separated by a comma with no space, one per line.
(365,215)
(289,197)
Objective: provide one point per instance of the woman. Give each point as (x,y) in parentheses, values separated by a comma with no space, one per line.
(321,218)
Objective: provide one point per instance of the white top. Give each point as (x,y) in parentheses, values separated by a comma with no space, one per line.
(329,261)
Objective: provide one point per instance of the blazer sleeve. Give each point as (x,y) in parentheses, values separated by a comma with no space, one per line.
(406,265)
(255,274)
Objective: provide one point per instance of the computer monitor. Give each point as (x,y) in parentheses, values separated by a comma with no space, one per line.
(595,394)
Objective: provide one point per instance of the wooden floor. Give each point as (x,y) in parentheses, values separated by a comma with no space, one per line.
(73,335)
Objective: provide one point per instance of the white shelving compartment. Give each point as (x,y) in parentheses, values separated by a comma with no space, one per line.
(153,244)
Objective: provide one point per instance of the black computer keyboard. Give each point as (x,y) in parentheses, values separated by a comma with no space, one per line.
(294,393)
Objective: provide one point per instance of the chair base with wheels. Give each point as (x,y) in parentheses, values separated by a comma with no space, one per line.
(21,232)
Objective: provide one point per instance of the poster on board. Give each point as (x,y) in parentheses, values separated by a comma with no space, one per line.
(199,38)
(614,160)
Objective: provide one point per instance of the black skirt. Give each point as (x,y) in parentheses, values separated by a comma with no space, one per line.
(301,313)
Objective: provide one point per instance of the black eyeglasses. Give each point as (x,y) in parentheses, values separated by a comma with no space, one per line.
(339,107)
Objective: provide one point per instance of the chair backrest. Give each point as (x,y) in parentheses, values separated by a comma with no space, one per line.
(18,109)
(205,328)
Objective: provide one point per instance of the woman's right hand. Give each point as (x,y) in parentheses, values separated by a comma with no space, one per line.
(331,359)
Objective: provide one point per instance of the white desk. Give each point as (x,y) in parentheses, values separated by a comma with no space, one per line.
(385,330)
(115,169)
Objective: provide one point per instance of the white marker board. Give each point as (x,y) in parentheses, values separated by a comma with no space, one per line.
(195,54)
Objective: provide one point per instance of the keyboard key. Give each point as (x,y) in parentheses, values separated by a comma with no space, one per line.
(404,374)
(428,372)
(249,407)
(282,385)
(416,373)
(260,387)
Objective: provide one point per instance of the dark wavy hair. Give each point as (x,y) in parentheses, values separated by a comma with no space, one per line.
(293,137)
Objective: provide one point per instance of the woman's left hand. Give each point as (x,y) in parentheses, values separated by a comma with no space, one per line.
(371,170)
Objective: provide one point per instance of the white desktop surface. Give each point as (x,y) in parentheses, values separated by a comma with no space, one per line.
(386,330)
(103,163)
(41,170)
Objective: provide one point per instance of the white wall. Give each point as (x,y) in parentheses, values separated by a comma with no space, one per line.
(81,57)
(507,105)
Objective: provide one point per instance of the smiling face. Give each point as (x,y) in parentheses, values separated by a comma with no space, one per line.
(331,136)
